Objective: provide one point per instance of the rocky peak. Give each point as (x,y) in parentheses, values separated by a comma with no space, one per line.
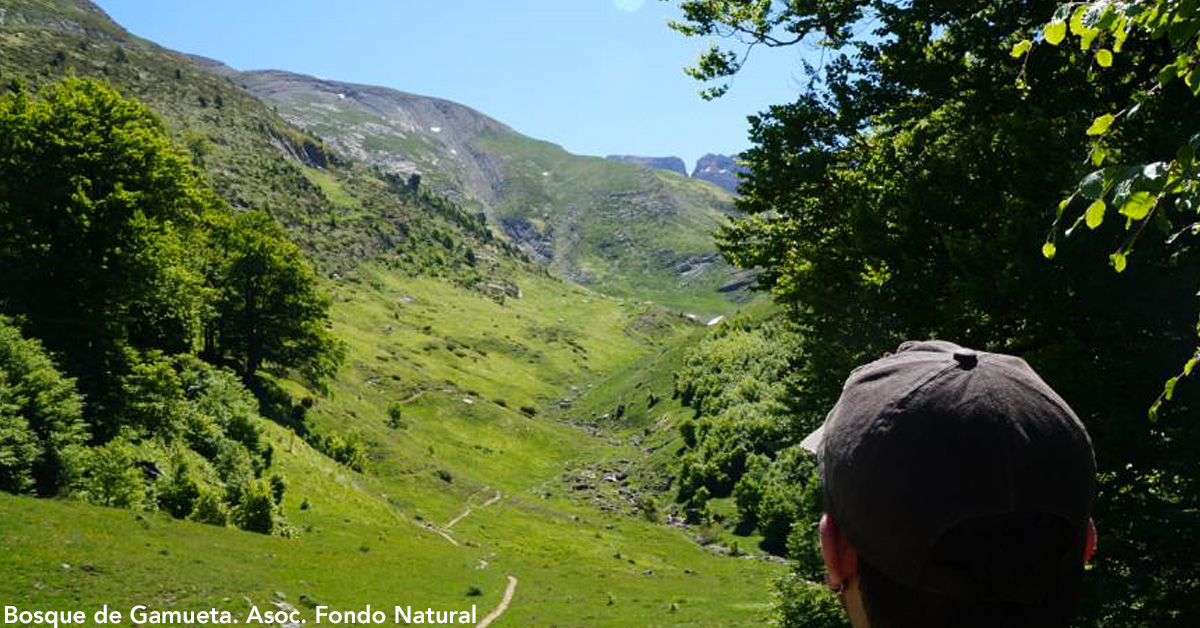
(674,164)
(719,169)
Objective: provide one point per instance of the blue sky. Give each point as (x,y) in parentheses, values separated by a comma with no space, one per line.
(596,76)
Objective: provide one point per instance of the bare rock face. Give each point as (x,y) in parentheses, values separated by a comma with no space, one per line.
(673,164)
(719,169)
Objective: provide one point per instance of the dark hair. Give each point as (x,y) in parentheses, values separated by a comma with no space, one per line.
(1034,558)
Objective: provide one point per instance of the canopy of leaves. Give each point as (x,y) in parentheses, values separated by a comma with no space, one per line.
(116,255)
(95,208)
(1166,190)
(41,429)
(268,306)
(906,195)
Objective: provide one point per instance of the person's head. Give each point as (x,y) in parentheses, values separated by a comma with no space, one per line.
(958,492)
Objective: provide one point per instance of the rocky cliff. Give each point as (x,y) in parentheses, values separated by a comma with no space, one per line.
(670,164)
(722,170)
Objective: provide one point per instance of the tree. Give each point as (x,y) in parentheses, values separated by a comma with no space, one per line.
(268,308)
(1165,191)
(906,194)
(41,428)
(95,207)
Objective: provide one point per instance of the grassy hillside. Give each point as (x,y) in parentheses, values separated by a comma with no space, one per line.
(363,537)
(340,211)
(621,229)
(478,349)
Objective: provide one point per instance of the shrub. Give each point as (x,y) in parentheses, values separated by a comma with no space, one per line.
(41,425)
(395,418)
(255,512)
(803,604)
(346,451)
(648,507)
(210,509)
(178,495)
(152,398)
(278,488)
(110,477)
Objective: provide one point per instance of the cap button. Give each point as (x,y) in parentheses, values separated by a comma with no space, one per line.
(966,358)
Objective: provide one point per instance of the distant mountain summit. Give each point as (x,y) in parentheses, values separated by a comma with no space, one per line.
(719,169)
(673,164)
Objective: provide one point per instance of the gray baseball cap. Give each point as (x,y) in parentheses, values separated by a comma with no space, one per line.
(937,434)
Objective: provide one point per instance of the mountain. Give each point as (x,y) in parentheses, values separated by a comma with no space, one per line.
(618,228)
(670,164)
(721,170)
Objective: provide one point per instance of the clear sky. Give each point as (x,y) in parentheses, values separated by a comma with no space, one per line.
(596,76)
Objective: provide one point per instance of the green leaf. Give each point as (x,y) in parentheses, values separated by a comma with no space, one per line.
(1077,26)
(1062,206)
(1104,57)
(1118,261)
(1092,186)
(1169,388)
(1167,74)
(1049,250)
(1087,37)
(1020,48)
(1098,155)
(1138,205)
(1054,32)
(1192,78)
(1100,125)
(1191,364)
(1095,214)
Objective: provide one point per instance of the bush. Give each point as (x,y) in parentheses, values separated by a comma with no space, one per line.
(210,509)
(255,512)
(152,399)
(395,418)
(648,507)
(803,604)
(110,477)
(178,495)
(278,488)
(41,424)
(346,451)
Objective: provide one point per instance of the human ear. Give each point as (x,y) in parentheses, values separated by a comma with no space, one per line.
(841,559)
(1090,547)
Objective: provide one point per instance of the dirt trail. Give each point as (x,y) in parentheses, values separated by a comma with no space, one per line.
(508,596)
(412,397)
(436,530)
(495,498)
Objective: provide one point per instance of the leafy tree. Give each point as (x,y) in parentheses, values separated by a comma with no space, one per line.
(41,429)
(255,510)
(110,477)
(210,509)
(269,308)
(906,194)
(95,208)
(1165,191)
(180,492)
